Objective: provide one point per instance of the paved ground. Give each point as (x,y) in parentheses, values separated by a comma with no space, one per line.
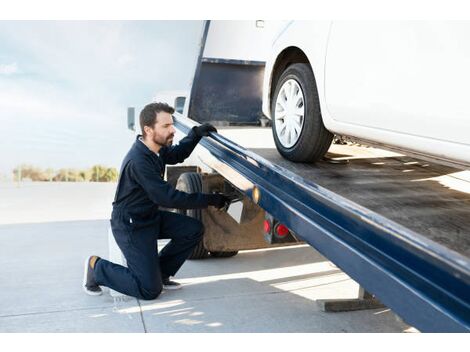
(256,291)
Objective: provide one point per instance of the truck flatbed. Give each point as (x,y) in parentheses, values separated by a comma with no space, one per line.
(430,199)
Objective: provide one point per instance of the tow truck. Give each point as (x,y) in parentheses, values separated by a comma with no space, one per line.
(396,224)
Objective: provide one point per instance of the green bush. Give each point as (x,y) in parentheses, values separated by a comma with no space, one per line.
(100,173)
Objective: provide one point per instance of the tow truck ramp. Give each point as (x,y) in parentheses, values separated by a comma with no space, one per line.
(424,276)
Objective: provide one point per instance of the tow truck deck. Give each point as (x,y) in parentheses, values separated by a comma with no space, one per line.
(430,199)
(397,225)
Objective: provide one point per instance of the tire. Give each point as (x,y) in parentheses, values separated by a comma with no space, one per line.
(308,140)
(223,254)
(191,182)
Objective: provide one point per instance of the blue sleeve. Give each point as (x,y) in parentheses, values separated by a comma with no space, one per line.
(161,192)
(178,153)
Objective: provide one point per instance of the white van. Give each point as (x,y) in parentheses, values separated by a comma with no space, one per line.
(400,84)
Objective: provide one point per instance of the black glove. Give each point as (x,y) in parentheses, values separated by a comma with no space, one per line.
(204,130)
(218,200)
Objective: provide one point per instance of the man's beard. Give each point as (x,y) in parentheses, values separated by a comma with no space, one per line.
(164,143)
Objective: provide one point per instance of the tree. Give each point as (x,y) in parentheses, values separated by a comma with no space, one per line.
(100,173)
(111,175)
(29,172)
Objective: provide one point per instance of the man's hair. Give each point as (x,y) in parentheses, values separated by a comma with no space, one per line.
(148,115)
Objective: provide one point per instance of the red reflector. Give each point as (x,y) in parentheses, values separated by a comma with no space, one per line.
(267,226)
(282,230)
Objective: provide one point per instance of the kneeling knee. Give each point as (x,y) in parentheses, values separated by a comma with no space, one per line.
(196,231)
(149,295)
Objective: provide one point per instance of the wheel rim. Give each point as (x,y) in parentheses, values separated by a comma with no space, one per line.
(289,113)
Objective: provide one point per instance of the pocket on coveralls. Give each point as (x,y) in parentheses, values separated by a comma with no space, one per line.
(122,230)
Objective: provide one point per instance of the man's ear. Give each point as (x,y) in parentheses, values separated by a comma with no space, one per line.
(147,130)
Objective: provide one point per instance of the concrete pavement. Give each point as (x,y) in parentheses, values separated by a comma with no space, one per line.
(256,291)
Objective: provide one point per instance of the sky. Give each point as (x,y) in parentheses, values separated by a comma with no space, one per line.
(65,86)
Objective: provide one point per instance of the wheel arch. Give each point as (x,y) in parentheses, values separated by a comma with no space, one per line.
(288,56)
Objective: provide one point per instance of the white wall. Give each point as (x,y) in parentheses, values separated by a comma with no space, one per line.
(241,40)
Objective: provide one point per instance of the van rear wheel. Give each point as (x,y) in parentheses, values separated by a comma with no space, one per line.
(297,124)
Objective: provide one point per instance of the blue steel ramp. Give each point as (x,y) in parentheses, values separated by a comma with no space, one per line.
(424,282)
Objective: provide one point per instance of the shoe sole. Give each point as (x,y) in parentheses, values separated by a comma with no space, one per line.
(86,267)
(172,288)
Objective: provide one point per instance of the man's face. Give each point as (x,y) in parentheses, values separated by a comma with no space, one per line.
(163,130)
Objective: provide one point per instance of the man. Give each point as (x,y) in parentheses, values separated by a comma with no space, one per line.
(137,222)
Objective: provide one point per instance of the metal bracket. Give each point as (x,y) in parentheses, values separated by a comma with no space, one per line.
(365,301)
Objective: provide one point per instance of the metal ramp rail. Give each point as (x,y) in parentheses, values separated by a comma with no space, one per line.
(425,283)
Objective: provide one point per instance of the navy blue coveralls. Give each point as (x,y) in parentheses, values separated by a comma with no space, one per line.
(137,223)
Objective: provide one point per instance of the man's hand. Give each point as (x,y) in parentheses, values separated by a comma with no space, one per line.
(204,130)
(219,200)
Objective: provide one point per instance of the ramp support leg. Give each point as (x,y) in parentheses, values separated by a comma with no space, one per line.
(365,301)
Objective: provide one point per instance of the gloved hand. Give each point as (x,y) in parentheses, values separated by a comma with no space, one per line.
(218,200)
(204,130)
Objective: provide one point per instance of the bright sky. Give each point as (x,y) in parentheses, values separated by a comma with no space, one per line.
(65,86)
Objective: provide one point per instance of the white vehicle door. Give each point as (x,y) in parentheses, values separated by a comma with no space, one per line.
(409,77)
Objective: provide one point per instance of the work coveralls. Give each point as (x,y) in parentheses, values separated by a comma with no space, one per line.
(137,222)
